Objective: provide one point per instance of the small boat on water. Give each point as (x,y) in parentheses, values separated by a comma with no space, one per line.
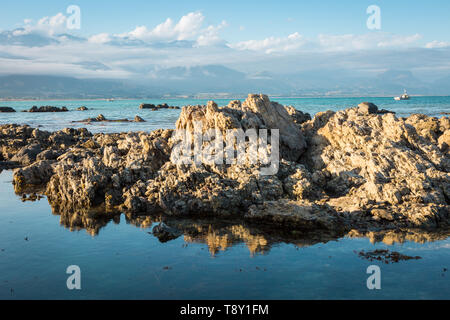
(110,100)
(404,96)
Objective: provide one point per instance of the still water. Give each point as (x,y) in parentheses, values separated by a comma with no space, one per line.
(122,259)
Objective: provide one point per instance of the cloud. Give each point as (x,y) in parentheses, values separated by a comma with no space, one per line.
(327,43)
(46,26)
(100,38)
(272,44)
(210,35)
(399,41)
(189,27)
(372,40)
(190,41)
(437,44)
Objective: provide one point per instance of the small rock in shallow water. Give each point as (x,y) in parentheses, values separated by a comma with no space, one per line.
(7,109)
(367,108)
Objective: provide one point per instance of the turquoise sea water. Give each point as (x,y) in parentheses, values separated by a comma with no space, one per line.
(121,109)
(122,259)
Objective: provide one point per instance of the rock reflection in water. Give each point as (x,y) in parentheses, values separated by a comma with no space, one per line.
(219,235)
(391,237)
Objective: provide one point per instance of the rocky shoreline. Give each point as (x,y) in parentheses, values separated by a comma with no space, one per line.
(357,169)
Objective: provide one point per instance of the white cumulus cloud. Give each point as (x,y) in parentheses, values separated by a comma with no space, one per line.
(46,26)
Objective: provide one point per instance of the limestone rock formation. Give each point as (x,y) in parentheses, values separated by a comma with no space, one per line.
(256,112)
(359,168)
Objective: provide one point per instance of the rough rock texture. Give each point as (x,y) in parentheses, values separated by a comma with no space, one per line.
(32,176)
(298,116)
(390,168)
(23,146)
(97,174)
(352,169)
(256,112)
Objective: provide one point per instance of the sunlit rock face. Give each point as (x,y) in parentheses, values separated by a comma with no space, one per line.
(392,168)
(358,168)
(256,112)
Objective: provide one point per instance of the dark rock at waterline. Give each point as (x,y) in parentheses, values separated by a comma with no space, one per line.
(367,108)
(83,108)
(101,118)
(138,119)
(7,109)
(370,108)
(154,107)
(47,109)
(384,111)
(8,165)
(147,106)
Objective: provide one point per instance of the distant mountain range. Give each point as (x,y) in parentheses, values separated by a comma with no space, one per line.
(219,80)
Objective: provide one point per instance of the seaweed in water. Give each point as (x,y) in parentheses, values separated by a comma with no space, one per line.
(385,256)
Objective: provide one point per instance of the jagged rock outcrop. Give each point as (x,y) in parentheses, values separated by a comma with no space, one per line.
(298,116)
(96,176)
(256,112)
(358,168)
(33,176)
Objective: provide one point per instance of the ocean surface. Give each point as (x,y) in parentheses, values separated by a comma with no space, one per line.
(165,118)
(121,258)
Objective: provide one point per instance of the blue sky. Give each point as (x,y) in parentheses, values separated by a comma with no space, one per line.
(135,39)
(258,18)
